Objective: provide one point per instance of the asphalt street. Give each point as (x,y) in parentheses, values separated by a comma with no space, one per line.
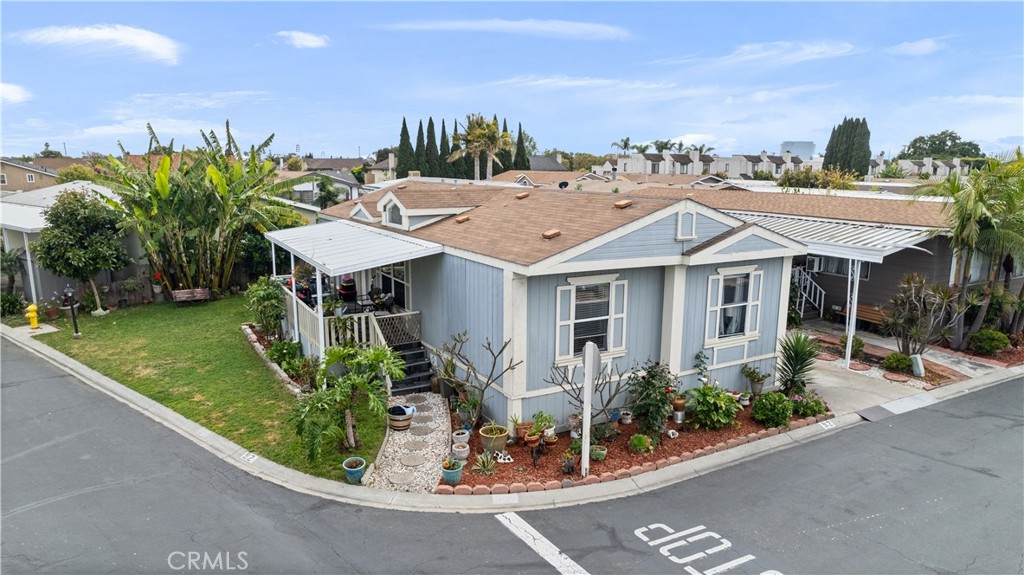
(92,486)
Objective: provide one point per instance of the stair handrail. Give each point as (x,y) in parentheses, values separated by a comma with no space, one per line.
(808,290)
(377,338)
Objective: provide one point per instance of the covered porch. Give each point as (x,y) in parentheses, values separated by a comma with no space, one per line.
(375,260)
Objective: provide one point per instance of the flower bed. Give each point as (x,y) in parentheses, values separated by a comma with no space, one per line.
(621,462)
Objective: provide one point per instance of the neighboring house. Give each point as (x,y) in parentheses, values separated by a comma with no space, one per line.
(536,178)
(547,163)
(382,171)
(740,166)
(644,278)
(344,182)
(935,170)
(332,164)
(21,221)
(16,175)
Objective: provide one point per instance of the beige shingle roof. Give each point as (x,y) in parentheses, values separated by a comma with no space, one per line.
(538,176)
(876,210)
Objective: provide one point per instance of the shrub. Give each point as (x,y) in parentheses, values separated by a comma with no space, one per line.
(11,304)
(772,409)
(809,405)
(302,370)
(266,302)
(713,407)
(281,351)
(796,362)
(650,396)
(989,342)
(576,447)
(856,350)
(485,464)
(897,361)
(641,443)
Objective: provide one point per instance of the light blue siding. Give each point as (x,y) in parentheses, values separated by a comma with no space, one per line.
(645,290)
(653,240)
(695,318)
(417,220)
(707,229)
(454,295)
(751,244)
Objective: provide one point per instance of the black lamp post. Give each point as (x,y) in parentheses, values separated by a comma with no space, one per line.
(69,300)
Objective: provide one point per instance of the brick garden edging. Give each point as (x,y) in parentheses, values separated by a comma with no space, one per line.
(274,368)
(624,473)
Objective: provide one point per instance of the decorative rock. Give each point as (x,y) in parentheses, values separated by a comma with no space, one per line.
(535,486)
(412,460)
(422,418)
(607,476)
(400,478)
(421,430)
(897,377)
(672,460)
(444,490)
(649,466)
(463,490)
(415,398)
(858,366)
(499,489)
(661,464)
(481,490)
(550,485)
(621,474)
(424,408)
(414,445)
(567,483)
(517,488)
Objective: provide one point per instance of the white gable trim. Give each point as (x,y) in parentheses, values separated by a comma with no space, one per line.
(710,258)
(358,208)
(713,254)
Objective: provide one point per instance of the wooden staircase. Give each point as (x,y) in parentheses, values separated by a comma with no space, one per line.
(419,371)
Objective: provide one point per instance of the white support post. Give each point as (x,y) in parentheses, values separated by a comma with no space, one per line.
(852,288)
(273,260)
(31,268)
(295,302)
(591,369)
(320,315)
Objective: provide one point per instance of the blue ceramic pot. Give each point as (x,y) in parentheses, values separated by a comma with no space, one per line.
(354,469)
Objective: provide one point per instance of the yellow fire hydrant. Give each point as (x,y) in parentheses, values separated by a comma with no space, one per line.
(33,317)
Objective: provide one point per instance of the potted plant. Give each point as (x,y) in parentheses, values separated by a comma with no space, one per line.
(575,424)
(451,470)
(626,417)
(51,308)
(533,435)
(157,286)
(568,462)
(129,286)
(460,451)
(598,452)
(744,398)
(461,436)
(678,401)
(493,437)
(354,468)
(755,376)
(546,421)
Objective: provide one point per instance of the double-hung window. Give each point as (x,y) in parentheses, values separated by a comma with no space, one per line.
(591,309)
(734,303)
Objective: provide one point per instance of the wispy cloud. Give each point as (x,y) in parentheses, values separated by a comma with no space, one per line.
(917,48)
(144,43)
(607,89)
(304,39)
(785,53)
(142,103)
(979,100)
(528,27)
(13,93)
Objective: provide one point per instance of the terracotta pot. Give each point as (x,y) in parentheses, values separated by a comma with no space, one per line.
(679,404)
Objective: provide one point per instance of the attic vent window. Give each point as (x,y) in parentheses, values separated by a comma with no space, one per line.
(551,234)
(522,196)
(461,219)
(623,204)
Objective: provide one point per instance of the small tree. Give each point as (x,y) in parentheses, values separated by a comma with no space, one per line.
(453,357)
(266,302)
(81,239)
(76,172)
(795,362)
(10,263)
(293,164)
(921,314)
(326,195)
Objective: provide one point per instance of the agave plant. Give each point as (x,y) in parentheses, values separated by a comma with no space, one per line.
(796,362)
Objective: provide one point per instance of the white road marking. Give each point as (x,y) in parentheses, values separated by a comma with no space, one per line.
(540,544)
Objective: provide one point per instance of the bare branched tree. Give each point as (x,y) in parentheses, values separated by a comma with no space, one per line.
(453,356)
(608,385)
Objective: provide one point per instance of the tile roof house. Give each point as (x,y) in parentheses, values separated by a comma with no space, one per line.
(547,269)
(16,175)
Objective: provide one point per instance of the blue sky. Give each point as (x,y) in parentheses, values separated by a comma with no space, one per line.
(337,78)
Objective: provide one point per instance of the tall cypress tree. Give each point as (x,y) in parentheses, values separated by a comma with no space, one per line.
(421,151)
(504,156)
(445,169)
(458,167)
(849,147)
(860,156)
(521,160)
(406,154)
(432,167)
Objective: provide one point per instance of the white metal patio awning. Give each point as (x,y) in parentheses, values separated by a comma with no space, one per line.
(21,218)
(340,247)
(850,240)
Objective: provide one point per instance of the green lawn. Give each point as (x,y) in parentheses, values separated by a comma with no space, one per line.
(195,360)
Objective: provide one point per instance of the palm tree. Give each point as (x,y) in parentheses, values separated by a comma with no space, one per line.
(494,141)
(662,145)
(622,145)
(700,149)
(642,148)
(10,263)
(471,143)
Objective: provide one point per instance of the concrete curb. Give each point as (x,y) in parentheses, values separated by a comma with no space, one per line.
(663,475)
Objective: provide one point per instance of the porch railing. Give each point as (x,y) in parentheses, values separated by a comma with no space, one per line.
(808,290)
(400,328)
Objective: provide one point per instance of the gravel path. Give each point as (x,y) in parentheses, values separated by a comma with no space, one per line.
(410,460)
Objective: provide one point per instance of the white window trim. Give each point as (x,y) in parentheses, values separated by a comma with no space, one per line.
(3,179)
(754,301)
(611,352)
(692,232)
(386,216)
(30,178)
(376,275)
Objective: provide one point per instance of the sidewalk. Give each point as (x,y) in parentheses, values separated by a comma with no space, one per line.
(846,391)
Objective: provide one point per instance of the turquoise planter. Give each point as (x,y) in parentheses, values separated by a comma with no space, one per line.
(354,472)
(452,476)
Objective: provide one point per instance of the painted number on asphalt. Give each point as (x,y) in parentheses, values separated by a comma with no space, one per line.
(249,457)
(669,540)
(827,424)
